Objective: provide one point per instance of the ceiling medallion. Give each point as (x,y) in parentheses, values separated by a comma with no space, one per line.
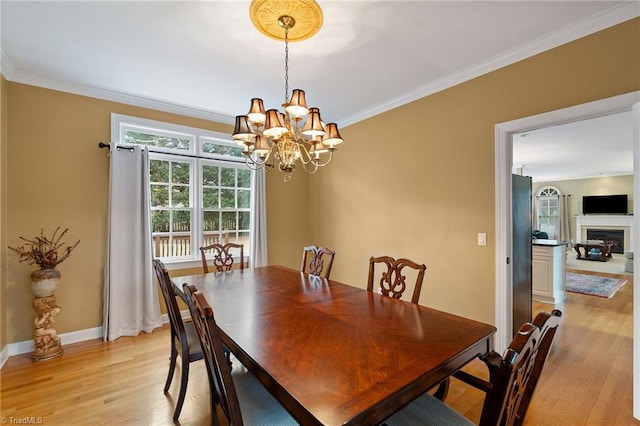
(306,13)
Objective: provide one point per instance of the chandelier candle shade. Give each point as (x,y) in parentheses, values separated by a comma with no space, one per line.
(298,133)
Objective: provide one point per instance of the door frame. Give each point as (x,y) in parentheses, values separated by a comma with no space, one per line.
(503,221)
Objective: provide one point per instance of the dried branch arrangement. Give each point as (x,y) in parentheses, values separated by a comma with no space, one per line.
(43,251)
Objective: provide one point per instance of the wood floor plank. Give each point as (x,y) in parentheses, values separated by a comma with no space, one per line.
(587,379)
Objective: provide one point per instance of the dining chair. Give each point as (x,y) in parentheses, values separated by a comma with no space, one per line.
(222,256)
(241,399)
(548,324)
(317,261)
(512,380)
(392,281)
(184,341)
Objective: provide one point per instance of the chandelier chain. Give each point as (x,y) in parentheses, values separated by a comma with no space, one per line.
(286,65)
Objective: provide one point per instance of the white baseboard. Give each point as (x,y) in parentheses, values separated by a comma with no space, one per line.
(24,347)
(4,355)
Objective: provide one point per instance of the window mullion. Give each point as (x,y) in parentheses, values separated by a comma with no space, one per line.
(198,213)
(170,210)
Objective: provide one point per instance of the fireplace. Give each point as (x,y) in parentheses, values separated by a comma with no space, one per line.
(616,236)
(605,223)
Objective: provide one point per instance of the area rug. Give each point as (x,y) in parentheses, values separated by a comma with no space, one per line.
(593,285)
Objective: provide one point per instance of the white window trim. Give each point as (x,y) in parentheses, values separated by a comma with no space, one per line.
(548,187)
(120,123)
(539,195)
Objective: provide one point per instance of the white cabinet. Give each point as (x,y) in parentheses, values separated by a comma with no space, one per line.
(549,272)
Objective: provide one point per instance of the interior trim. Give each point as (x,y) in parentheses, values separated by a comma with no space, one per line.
(636,260)
(503,166)
(609,18)
(557,38)
(113,96)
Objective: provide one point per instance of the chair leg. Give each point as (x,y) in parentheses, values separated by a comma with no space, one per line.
(443,390)
(184,377)
(172,368)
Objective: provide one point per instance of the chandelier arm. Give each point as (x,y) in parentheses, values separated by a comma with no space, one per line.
(253,165)
(268,167)
(305,166)
(249,160)
(303,149)
(310,159)
(318,164)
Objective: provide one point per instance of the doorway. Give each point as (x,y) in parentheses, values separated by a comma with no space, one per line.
(504,238)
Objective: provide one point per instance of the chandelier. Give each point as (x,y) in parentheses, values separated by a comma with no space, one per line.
(297,134)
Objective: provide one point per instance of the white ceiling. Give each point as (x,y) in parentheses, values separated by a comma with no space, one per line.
(206,59)
(596,147)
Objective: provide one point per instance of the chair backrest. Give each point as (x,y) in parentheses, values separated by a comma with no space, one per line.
(392,282)
(548,324)
(169,296)
(518,373)
(510,382)
(222,256)
(317,261)
(223,391)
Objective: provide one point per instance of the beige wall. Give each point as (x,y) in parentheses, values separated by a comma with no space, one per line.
(59,177)
(417,181)
(287,216)
(595,186)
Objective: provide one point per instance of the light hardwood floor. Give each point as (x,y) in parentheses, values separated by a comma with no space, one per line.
(586,381)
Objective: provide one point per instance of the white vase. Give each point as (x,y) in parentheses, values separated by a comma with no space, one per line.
(44,282)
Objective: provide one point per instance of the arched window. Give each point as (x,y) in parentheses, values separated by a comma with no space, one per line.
(547,206)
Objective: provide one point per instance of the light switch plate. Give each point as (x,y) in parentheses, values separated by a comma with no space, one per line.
(482,239)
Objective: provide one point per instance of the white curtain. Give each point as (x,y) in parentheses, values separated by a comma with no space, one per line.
(258,251)
(130,295)
(563,218)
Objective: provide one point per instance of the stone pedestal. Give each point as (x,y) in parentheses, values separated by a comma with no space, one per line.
(47,344)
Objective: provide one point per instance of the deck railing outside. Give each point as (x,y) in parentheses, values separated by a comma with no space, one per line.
(181,244)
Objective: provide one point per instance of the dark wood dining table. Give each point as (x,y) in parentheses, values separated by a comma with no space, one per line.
(332,353)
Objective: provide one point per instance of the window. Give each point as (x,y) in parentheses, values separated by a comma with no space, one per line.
(547,210)
(170,184)
(226,198)
(200,188)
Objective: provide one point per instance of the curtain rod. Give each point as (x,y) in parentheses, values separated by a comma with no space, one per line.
(108,145)
(130,148)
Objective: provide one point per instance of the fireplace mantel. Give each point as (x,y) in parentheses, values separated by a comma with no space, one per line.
(605,221)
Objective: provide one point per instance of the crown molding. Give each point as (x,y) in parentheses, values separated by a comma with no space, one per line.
(6,68)
(565,35)
(552,40)
(120,97)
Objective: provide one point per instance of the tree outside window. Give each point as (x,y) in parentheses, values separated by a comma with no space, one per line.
(200,188)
